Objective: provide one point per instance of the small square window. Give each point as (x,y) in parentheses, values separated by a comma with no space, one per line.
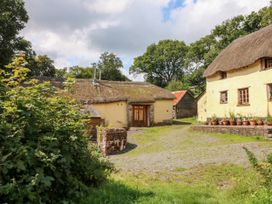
(224,97)
(269,92)
(267,63)
(223,75)
(243,96)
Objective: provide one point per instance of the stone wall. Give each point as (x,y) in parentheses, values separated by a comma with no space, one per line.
(265,131)
(92,124)
(112,140)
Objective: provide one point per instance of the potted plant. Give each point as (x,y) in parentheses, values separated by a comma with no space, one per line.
(245,121)
(253,121)
(232,118)
(269,120)
(239,120)
(260,122)
(214,120)
(225,121)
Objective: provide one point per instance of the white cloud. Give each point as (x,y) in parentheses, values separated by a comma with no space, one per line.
(77,31)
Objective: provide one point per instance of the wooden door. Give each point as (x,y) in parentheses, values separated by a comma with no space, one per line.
(139,116)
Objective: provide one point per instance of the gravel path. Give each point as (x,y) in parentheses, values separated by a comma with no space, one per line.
(178,148)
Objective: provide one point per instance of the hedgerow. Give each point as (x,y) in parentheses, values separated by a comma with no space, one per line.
(44,155)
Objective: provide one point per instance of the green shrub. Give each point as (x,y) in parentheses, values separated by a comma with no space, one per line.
(44,156)
(264,168)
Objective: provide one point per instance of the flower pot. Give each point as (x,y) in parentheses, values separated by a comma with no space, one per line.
(246,122)
(214,122)
(253,122)
(239,122)
(232,122)
(225,122)
(260,122)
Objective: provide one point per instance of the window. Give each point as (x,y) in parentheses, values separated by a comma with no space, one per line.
(243,96)
(269,92)
(267,63)
(223,75)
(223,97)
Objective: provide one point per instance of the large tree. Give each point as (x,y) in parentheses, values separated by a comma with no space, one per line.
(110,66)
(13,18)
(80,72)
(162,62)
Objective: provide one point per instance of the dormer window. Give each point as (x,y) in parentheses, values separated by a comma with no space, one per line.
(267,63)
(223,75)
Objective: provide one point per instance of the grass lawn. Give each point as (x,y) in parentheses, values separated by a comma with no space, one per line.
(172,164)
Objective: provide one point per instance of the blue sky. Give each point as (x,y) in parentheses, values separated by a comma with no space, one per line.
(172,5)
(76,32)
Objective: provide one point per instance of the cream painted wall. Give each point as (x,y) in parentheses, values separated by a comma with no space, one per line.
(202,108)
(115,114)
(251,76)
(163,111)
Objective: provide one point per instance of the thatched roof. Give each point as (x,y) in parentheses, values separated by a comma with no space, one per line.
(87,92)
(243,52)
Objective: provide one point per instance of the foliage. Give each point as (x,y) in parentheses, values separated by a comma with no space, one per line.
(12,19)
(110,66)
(175,85)
(162,62)
(269,119)
(44,155)
(80,72)
(41,65)
(264,193)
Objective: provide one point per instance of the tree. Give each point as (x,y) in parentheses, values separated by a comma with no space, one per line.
(80,72)
(162,62)
(44,155)
(41,65)
(13,18)
(110,66)
(175,85)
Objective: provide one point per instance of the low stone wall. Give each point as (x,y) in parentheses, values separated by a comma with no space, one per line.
(113,140)
(265,131)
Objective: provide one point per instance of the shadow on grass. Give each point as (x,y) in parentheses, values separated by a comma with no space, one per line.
(129,147)
(116,193)
(176,122)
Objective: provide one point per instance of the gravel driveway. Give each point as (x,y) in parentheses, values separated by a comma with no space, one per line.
(177,147)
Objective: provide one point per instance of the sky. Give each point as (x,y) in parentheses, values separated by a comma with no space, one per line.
(76,32)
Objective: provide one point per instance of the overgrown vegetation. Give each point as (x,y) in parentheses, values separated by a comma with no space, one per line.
(264,168)
(44,155)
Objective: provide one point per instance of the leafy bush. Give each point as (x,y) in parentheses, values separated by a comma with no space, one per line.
(44,156)
(264,194)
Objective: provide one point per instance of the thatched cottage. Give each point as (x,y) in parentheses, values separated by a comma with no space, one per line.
(239,80)
(184,104)
(125,104)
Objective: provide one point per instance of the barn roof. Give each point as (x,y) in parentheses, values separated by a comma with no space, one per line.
(243,52)
(179,96)
(87,92)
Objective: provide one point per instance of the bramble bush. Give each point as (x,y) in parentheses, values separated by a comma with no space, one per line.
(44,156)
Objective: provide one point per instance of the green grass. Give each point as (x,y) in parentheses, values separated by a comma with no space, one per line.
(207,184)
(203,184)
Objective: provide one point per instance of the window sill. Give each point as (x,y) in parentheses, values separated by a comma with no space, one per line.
(243,105)
(223,103)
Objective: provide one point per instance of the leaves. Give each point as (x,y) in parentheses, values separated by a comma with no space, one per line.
(44,153)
